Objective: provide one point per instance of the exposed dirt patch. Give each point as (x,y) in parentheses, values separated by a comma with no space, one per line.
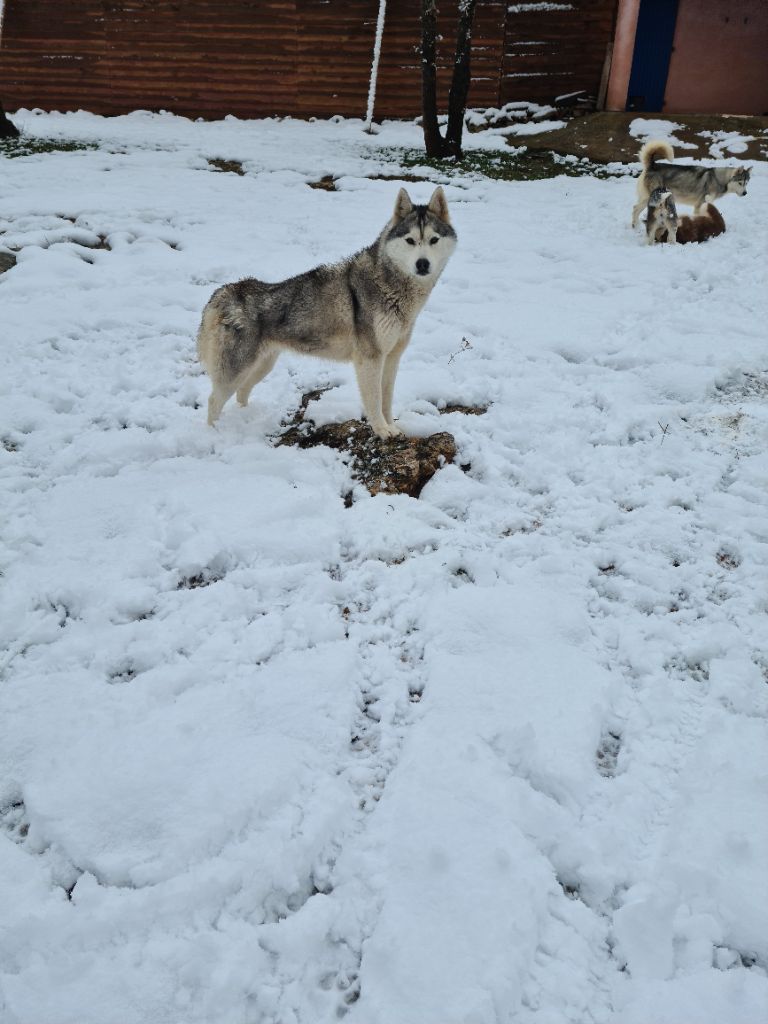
(327,183)
(306,398)
(7,260)
(396,177)
(100,242)
(396,466)
(604,137)
(401,465)
(728,560)
(201,579)
(226,166)
(465,410)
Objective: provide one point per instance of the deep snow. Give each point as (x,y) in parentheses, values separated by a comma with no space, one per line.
(495,755)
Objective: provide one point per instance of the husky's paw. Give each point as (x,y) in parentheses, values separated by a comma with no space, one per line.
(387,430)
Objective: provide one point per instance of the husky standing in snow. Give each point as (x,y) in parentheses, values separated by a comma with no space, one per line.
(360,310)
(691,185)
(664,225)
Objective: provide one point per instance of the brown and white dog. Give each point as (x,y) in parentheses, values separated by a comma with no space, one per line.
(663,223)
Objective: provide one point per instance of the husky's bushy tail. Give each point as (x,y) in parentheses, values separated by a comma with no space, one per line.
(205,336)
(651,175)
(653,150)
(218,315)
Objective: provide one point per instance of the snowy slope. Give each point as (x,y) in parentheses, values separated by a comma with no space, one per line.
(496,755)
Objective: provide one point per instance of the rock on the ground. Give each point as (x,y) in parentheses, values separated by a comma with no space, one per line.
(401,465)
(7,260)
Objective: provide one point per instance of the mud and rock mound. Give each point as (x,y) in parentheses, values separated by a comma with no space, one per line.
(7,260)
(400,465)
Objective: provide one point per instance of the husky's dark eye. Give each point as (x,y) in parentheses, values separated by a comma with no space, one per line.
(435,240)
(410,241)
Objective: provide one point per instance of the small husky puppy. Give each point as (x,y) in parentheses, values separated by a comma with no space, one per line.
(361,310)
(664,225)
(662,220)
(690,185)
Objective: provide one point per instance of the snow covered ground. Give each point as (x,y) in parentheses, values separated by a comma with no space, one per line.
(495,755)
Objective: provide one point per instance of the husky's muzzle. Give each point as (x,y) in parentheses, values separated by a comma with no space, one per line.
(422,267)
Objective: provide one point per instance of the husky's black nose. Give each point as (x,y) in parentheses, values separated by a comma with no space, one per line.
(422,266)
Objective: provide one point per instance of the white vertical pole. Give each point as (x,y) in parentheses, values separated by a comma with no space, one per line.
(375,64)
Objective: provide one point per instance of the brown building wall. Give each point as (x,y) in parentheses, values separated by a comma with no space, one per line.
(253,58)
(719,58)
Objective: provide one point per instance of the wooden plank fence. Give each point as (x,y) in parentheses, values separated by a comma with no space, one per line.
(254,58)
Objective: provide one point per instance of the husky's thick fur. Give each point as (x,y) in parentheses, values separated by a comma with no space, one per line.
(360,310)
(665,225)
(662,220)
(690,185)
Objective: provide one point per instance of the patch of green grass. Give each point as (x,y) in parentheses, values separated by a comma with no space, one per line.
(516,165)
(27,146)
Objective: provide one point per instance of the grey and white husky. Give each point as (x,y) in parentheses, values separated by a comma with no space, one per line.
(361,310)
(688,184)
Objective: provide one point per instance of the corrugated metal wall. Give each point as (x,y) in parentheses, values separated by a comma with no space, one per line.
(251,58)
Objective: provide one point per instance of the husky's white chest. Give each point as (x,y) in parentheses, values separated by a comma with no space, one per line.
(390,329)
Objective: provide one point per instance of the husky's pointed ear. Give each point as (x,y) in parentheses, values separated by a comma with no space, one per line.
(438,205)
(403,205)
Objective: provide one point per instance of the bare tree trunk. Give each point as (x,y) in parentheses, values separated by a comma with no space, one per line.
(433,140)
(435,144)
(457,98)
(8,129)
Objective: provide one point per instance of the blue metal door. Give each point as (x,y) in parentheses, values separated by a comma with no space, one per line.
(653,49)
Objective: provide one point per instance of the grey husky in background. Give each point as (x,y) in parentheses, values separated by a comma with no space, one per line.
(361,310)
(664,224)
(690,185)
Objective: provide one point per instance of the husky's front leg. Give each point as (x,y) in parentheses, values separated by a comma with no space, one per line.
(391,364)
(369,371)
